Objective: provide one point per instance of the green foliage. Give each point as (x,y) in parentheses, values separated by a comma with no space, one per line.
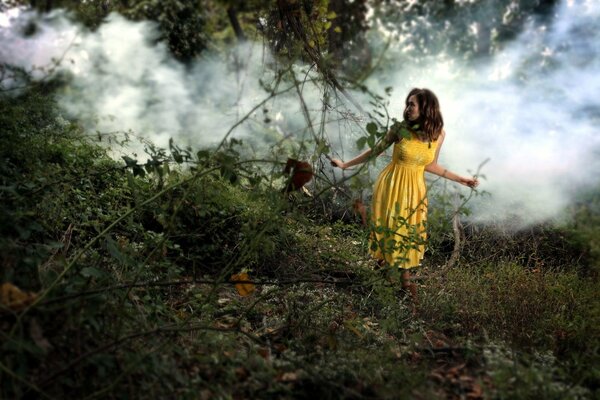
(548,311)
(346,36)
(104,318)
(323,31)
(41,155)
(181,24)
(531,376)
(427,21)
(584,227)
(191,27)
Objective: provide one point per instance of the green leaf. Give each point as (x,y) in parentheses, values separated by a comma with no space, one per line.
(203,155)
(177,157)
(130,162)
(114,251)
(371,141)
(360,143)
(138,170)
(372,128)
(405,133)
(322,147)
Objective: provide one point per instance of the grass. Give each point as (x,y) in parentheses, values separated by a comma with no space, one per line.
(538,331)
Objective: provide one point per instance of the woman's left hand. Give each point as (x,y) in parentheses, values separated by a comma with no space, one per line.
(338,163)
(470,182)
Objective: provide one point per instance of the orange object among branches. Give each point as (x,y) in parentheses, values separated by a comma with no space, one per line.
(300,173)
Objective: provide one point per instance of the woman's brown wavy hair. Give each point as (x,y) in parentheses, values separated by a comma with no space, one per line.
(430,119)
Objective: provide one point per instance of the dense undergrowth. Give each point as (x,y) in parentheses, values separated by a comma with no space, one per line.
(124,287)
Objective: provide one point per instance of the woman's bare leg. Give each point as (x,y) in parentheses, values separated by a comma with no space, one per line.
(409,288)
(405,278)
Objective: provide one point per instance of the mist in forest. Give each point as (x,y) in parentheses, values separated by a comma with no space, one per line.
(531,107)
(121,79)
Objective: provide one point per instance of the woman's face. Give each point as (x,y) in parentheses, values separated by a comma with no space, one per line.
(412,108)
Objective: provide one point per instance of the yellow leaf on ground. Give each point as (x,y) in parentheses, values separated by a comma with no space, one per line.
(14,298)
(246,288)
(352,329)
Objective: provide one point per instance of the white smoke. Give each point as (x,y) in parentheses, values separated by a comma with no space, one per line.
(121,79)
(533,109)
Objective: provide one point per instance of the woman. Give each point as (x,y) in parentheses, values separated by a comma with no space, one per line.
(399,208)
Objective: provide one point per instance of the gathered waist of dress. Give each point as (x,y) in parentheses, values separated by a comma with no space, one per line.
(404,164)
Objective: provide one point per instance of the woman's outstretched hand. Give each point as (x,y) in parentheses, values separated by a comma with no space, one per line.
(470,182)
(338,163)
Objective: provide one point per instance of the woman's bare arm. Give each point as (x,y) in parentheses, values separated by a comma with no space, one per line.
(379,148)
(437,169)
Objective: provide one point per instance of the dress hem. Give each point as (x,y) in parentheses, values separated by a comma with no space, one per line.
(399,267)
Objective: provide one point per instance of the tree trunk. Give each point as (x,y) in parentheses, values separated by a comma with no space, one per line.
(239,33)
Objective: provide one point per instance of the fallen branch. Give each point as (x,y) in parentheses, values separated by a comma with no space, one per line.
(194,281)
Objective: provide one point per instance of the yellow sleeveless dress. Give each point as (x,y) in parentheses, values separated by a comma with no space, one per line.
(399,208)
